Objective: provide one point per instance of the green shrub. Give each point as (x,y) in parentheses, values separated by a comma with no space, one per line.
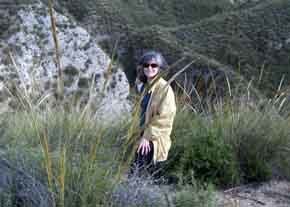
(200,147)
(195,196)
(259,137)
(235,143)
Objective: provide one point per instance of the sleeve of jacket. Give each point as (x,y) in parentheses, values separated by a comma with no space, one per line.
(162,121)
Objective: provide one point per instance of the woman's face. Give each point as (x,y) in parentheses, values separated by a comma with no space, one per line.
(151,69)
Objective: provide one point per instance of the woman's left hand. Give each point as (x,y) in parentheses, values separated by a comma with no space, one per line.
(144,147)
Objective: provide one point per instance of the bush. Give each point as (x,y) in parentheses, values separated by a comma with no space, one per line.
(199,147)
(259,137)
(195,196)
(235,143)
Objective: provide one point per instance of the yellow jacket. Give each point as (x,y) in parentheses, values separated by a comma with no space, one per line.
(159,118)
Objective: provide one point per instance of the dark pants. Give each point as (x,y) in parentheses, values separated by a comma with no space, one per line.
(143,165)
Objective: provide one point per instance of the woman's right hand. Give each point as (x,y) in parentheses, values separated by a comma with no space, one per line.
(144,147)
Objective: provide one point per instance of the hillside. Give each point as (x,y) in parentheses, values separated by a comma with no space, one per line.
(247,37)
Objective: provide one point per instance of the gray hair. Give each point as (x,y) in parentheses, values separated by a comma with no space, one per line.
(147,57)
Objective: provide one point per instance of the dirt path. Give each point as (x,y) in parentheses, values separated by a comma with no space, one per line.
(270,194)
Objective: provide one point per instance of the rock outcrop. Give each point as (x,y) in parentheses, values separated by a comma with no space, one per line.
(27,62)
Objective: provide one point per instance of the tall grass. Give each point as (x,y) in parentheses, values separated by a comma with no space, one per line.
(235,140)
(75,177)
(60,83)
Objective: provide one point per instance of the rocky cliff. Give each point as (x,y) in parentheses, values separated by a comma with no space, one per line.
(27,60)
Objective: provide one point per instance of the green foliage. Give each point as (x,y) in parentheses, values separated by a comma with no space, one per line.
(244,38)
(199,147)
(232,144)
(144,13)
(6,198)
(195,196)
(211,158)
(89,162)
(259,138)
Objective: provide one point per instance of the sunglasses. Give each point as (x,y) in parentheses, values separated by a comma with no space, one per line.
(153,65)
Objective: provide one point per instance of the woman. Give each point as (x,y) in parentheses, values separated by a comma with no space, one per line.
(158,110)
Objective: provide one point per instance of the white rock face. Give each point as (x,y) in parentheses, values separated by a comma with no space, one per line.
(83,62)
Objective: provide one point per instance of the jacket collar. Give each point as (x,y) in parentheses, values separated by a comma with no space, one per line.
(154,82)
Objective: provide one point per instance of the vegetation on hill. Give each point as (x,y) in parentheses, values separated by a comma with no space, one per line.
(251,39)
(137,14)
(252,42)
